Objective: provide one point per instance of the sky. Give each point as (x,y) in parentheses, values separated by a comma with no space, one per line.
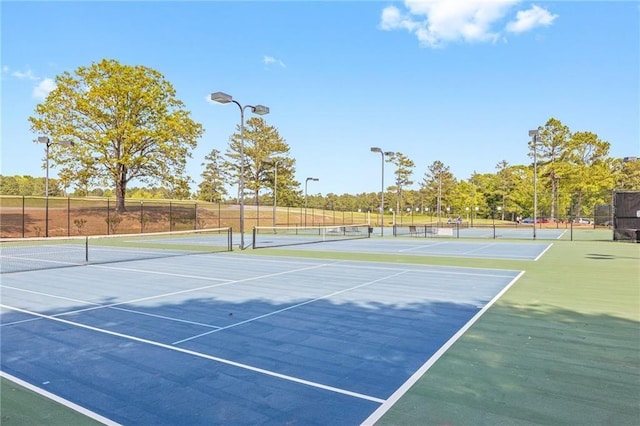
(461,82)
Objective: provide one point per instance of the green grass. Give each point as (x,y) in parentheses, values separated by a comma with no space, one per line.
(562,346)
(19,406)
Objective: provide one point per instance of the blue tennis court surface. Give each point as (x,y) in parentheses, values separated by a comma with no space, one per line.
(489,249)
(236,339)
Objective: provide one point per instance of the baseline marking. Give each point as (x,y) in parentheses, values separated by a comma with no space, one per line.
(201,355)
(543,252)
(390,402)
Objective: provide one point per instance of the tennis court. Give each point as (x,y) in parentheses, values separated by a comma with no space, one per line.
(479,231)
(491,249)
(237,338)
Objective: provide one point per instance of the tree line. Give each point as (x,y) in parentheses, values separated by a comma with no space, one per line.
(127,125)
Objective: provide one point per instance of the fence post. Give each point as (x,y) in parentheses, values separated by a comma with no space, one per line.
(68,216)
(23,216)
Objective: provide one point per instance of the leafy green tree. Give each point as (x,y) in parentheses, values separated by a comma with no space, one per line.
(551,151)
(521,195)
(438,187)
(626,173)
(212,187)
(404,170)
(590,171)
(9,185)
(261,143)
(126,123)
(507,181)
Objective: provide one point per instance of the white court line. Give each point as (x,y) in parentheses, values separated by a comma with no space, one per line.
(431,269)
(59,400)
(202,355)
(297,305)
(147,271)
(95,306)
(157,296)
(543,252)
(376,415)
(422,246)
(174,319)
(482,247)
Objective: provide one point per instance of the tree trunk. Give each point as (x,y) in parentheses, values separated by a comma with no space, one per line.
(121,191)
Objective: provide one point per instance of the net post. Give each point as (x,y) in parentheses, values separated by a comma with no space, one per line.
(86,249)
(253,242)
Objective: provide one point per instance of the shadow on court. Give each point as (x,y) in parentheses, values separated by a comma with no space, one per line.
(253,363)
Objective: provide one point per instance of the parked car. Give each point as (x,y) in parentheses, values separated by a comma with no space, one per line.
(527,220)
(582,221)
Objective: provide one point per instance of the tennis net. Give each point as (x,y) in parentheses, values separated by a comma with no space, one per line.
(276,236)
(27,254)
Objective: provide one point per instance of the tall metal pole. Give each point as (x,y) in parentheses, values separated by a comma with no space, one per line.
(224,98)
(46,192)
(275,193)
(382,198)
(241,195)
(45,140)
(382,154)
(535,186)
(535,134)
(305,197)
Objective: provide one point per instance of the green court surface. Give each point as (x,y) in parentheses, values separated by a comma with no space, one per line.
(562,346)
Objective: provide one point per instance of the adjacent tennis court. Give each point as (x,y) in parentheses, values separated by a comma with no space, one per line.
(487,249)
(236,338)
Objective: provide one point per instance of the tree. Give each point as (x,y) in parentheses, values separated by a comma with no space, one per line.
(437,186)
(404,170)
(126,123)
(9,185)
(590,171)
(551,150)
(507,181)
(213,178)
(262,142)
(627,173)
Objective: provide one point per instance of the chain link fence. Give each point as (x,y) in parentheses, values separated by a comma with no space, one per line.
(22,216)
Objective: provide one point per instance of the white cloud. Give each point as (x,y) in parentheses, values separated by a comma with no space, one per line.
(526,20)
(268,60)
(5,69)
(44,88)
(438,22)
(28,74)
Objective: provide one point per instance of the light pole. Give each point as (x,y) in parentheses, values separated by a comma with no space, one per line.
(535,135)
(223,98)
(388,154)
(305,197)
(45,140)
(275,163)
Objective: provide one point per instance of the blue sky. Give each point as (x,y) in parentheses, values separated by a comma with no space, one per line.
(461,82)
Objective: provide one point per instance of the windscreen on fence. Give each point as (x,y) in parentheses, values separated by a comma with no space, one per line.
(626,220)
